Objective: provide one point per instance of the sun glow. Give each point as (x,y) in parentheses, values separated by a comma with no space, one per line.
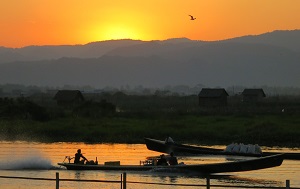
(120,32)
(115,32)
(74,22)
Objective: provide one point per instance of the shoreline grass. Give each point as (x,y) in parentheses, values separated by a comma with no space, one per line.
(264,130)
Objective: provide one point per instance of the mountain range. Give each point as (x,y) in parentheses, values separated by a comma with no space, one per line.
(271,59)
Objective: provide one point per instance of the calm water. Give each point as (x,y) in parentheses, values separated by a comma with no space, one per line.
(39,160)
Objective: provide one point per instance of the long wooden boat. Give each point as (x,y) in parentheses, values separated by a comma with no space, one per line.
(235,166)
(181,149)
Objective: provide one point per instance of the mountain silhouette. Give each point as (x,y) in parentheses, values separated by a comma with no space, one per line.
(268,59)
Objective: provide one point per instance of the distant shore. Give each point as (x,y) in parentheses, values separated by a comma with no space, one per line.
(264,130)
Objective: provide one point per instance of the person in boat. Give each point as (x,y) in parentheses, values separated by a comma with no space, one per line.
(79,155)
(162,160)
(173,159)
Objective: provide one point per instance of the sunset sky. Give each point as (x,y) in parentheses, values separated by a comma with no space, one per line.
(68,22)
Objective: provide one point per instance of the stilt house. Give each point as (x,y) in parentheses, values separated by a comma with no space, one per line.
(213,97)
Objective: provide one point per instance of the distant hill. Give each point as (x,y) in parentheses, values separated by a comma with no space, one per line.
(268,59)
(90,50)
(287,39)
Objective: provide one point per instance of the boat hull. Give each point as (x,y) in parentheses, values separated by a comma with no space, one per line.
(181,149)
(72,166)
(237,166)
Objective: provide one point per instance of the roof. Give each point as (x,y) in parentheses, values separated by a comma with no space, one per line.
(207,92)
(253,92)
(68,95)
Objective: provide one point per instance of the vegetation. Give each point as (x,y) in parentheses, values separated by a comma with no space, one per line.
(121,118)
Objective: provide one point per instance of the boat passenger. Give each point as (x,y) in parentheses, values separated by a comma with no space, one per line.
(162,160)
(173,159)
(79,155)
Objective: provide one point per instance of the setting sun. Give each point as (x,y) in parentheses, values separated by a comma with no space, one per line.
(119,32)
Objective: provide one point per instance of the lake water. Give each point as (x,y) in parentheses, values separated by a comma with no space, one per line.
(39,160)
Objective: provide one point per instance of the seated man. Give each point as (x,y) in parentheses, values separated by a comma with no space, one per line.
(173,159)
(79,155)
(162,160)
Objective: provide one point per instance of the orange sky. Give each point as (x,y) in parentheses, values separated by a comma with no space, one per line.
(58,22)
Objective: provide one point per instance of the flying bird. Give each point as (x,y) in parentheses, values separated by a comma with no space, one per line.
(192,18)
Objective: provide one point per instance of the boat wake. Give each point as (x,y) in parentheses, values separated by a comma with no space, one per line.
(34,162)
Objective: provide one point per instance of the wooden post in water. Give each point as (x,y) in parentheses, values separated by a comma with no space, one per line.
(121,181)
(57,180)
(287,184)
(207,182)
(124,180)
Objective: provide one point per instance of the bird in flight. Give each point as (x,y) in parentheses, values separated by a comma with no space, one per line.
(192,18)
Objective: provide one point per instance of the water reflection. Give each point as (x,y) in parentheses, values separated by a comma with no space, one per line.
(173,179)
(79,175)
(249,181)
(51,154)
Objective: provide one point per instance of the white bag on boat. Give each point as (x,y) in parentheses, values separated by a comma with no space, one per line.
(236,148)
(169,140)
(251,149)
(257,149)
(243,148)
(229,147)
